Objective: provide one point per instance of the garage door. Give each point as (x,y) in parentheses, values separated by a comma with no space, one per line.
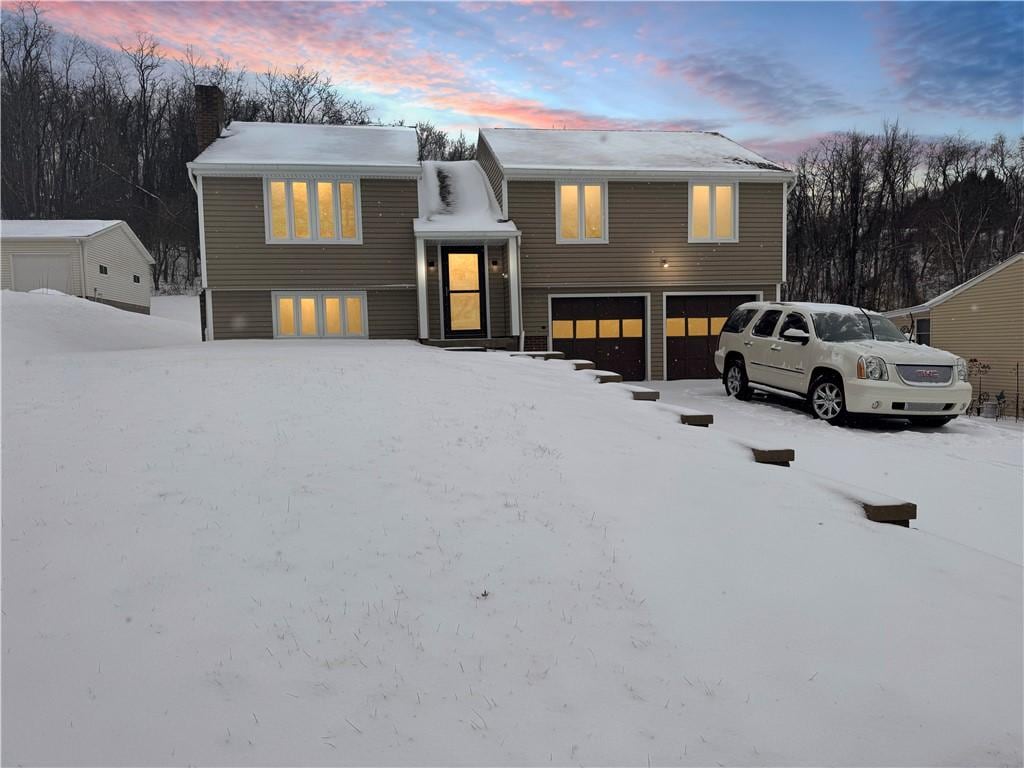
(610,330)
(692,326)
(30,272)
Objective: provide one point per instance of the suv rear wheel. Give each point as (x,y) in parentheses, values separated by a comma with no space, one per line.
(827,400)
(735,380)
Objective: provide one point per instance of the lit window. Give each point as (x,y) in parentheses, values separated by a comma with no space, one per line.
(632,328)
(586,329)
(561,329)
(317,314)
(675,326)
(696,326)
(717,324)
(311,210)
(713,212)
(580,212)
(608,329)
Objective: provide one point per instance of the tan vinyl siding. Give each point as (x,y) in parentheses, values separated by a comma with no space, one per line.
(535,309)
(986,321)
(115,250)
(69,248)
(391,314)
(647,222)
(238,256)
(242,315)
(489,163)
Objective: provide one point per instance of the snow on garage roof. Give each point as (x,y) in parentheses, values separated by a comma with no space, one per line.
(532,151)
(53,229)
(467,206)
(299,145)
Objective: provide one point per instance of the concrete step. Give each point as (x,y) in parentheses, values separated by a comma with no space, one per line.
(581,365)
(780,457)
(548,355)
(689,416)
(605,377)
(642,393)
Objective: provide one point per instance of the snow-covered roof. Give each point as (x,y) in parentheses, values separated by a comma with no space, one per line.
(389,149)
(54,229)
(531,151)
(466,208)
(68,229)
(942,297)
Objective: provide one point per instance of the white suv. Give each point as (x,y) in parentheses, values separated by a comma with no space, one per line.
(844,360)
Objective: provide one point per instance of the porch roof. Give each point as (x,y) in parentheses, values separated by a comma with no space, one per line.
(456,202)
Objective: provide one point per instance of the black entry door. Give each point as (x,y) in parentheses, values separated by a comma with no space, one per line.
(692,327)
(608,330)
(465,311)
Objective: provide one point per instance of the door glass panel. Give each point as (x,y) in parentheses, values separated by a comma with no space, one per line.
(586,329)
(608,329)
(348,209)
(332,316)
(354,315)
(325,209)
(285,317)
(570,223)
(633,328)
(717,323)
(696,326)
(592,211)
(561,329)
(278,211)
(300,209)
(701,212)
(465,311)
(463,272)
(723,213)
(307,312)
(675,326)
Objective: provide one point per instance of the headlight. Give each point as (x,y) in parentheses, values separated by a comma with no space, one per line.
(961,369)
(872,368)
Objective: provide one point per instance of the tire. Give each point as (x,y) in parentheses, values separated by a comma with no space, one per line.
(827,400)
(735,380)
(931,421)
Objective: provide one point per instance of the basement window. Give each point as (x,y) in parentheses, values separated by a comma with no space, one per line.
(312,211)
(581,210)
(714,209)
(319,314)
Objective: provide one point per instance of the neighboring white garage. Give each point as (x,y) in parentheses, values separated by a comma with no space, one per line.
(99,260)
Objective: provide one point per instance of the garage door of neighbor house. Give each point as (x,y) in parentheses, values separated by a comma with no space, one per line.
(692,326)
(610,330)
(40,270)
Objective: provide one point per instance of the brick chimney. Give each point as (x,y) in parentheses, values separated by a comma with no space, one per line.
(209,114)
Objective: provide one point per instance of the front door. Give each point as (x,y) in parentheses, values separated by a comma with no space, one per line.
(465,312)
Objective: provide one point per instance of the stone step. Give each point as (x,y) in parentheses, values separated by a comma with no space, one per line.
(690,416)
(581,365)
(642,393)
(779,457)
(550,354)
(895,512)
(605,377)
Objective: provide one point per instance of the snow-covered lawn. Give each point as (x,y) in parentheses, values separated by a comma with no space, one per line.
(247,553)
(183,308)
(966,478)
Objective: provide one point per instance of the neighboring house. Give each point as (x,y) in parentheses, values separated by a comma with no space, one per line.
(579,240)
(97,260)
(982,318)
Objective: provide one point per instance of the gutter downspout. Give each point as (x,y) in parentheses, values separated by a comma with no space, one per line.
(81,254)
(519,288)
(787,189)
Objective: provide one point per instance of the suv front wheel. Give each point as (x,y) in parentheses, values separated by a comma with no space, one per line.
(827,400)
(735,380)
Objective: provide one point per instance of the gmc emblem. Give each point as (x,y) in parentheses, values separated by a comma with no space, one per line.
(927,373)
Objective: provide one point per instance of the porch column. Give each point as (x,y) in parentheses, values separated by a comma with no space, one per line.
(421,288)
(513,284)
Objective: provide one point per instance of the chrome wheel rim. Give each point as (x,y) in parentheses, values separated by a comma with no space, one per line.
(827,401)
(733,380)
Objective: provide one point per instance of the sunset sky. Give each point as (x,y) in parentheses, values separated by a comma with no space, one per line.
(773,75)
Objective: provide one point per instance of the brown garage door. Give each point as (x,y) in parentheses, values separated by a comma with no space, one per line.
(692,326)
(610,330)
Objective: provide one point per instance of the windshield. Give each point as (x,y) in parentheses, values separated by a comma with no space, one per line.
(843,326)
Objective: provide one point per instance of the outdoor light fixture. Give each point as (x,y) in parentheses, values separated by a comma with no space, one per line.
(664,263)
(431,266)
(494,264)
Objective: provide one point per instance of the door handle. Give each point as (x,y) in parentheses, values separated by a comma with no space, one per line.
(775,348)
(748,343)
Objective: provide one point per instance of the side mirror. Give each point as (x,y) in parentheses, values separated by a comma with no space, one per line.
(795,334)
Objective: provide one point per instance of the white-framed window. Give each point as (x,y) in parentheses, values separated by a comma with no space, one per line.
(581,212)
(714,212)
(312,210)
(319,314)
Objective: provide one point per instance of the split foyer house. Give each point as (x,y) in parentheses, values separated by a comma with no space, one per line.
(629,248)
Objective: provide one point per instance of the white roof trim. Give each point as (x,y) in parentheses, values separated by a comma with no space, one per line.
(619,174)
(456,234)
(118,224)
(944,297)
(325,170)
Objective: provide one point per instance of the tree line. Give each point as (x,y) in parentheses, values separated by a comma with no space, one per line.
(94,134)
(883,220)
